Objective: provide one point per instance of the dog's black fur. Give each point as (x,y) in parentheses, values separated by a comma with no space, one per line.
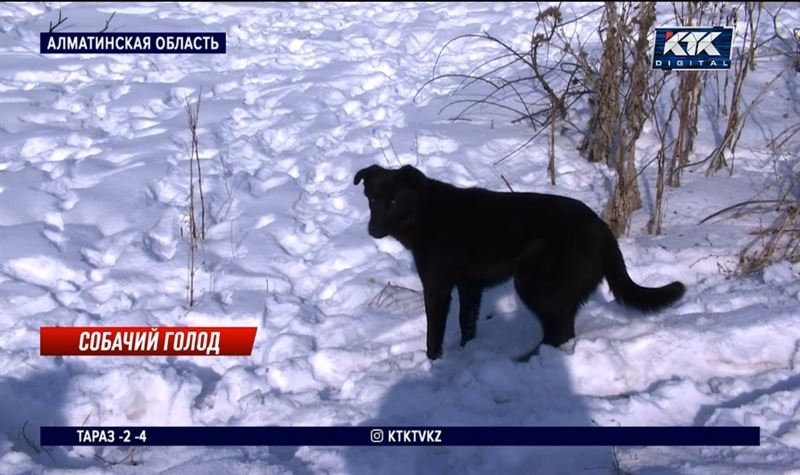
(556,248)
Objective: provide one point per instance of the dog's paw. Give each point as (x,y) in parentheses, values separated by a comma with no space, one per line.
(466,338)
(434,354)
(524,358)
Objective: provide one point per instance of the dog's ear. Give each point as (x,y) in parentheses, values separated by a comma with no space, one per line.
(411,175)
(366,173)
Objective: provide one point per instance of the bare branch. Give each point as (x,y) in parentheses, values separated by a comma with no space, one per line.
(108,22)
(58,22)
(31,444)
(507,183)
(739,205)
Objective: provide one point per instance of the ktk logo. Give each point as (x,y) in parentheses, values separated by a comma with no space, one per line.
(697,48)
(696,42)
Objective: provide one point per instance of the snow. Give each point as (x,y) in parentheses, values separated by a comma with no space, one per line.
(93,193)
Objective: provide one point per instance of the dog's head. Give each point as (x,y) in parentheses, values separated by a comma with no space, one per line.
(394,198)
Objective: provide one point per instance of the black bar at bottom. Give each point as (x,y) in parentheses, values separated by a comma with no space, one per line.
(351,436)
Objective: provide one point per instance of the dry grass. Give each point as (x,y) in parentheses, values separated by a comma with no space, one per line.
(397,297)
(196,232)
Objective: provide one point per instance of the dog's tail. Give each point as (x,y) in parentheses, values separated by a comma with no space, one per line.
(629,292)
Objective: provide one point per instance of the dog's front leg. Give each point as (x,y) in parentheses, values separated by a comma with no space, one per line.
(469,304)
(437,304)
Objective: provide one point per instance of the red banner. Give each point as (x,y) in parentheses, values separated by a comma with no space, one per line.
(146,341)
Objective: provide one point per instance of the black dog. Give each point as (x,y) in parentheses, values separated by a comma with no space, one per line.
(556,248)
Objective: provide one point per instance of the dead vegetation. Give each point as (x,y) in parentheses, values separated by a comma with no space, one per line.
(626,125)
(536,84)
(544,82)
(397,297)
(196,230)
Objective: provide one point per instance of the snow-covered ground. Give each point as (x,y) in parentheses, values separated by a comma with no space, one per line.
(93,193)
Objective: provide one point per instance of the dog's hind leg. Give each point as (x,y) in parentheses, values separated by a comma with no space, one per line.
(558,326)
(554,305)
(469,303)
